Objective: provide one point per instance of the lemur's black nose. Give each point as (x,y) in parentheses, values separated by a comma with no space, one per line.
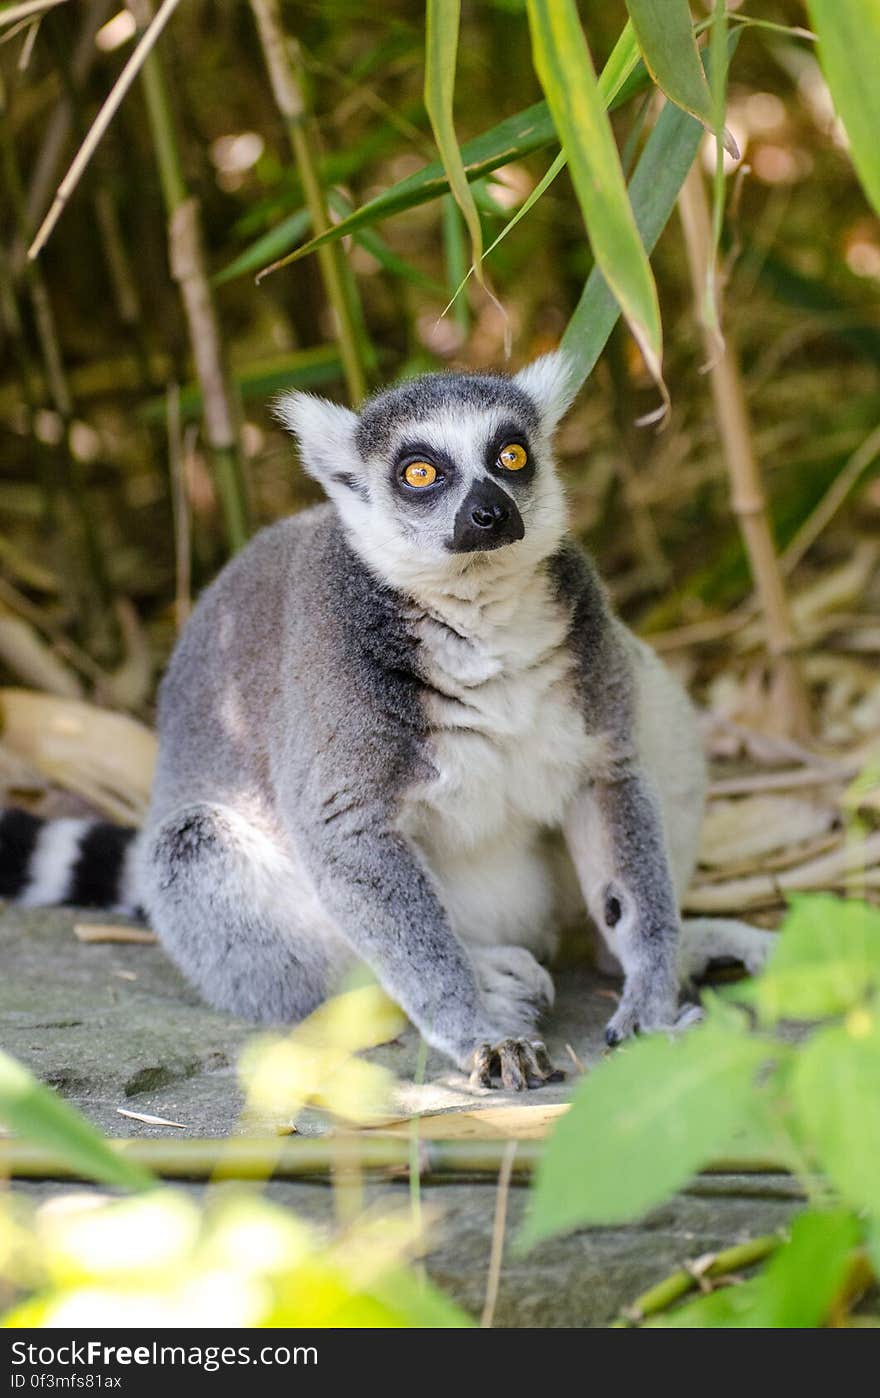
(487,516)
(486,519)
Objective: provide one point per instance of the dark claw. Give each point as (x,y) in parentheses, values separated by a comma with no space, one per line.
(519,1063)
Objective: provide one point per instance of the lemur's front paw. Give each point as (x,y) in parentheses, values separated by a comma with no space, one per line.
(519,1063)
(516,989)
(641,1012)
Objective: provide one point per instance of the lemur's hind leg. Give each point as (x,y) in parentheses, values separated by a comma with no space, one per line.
(717,941)
(237,916)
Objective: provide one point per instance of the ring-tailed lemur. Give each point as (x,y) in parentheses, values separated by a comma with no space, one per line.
(375,720)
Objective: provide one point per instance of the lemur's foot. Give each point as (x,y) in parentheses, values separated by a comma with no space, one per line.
(519,1063)
(720,941)
(516,988)
(640,1015)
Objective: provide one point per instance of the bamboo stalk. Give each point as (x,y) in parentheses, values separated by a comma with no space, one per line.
(747,493)
(56,380)
(302,1157)
(187,263)
(285,67)
(678,1284)
(99,126)
(58,130)
(27,9)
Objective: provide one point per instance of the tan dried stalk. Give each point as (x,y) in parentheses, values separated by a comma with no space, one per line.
(747,492)
(187,263)
(284,66)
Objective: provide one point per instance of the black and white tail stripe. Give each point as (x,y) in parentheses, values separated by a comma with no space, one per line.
(87,863)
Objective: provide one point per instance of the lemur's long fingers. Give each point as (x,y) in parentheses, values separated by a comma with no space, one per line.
(540,1066)
(481,1072)
(512,1060)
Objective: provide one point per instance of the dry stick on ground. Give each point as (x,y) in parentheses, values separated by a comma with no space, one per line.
(186,257)
(284,65)
(749,502)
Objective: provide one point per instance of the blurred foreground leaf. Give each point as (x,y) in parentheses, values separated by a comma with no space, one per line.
(39,1115)
(641,1124)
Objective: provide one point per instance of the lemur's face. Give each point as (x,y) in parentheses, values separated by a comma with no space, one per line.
(440,471)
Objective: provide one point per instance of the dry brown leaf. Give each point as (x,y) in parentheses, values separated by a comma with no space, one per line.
(856,864)
(105,757)
(757,825)
(28,656)
(530,1123)
(113,932)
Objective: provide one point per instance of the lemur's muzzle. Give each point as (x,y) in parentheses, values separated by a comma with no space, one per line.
(487,519)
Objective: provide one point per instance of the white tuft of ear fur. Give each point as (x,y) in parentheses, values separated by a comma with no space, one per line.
(549,382)
(325,432)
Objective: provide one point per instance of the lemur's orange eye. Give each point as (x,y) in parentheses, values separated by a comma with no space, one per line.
(513,457)
(420,473)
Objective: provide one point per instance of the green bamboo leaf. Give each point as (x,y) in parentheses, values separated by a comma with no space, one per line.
(303,369)
(666,38)
(641,1124)
(511,139)
(565,69)
(441,54)
(849,52)
(39,1115)
(514,137)
(836,1091)
(622,64)
(269,245)
(666,159)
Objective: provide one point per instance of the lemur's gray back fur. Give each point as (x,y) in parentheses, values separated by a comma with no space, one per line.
(376,711)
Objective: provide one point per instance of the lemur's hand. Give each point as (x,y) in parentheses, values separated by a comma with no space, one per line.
(644,1009)
(519,1063)
(515,988)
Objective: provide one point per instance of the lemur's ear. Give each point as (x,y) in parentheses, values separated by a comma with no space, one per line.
(326,435)
(549,383)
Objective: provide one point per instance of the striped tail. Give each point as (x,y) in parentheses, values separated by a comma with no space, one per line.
(86,863)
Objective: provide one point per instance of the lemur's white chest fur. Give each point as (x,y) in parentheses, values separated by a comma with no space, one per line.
(509,748)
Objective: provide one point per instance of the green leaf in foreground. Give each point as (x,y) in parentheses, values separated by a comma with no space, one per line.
(565,69)
(849,52)
(796,1289)
(666,38)
(836,1090)
(39,1115)
(641,1125)
(826,960)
